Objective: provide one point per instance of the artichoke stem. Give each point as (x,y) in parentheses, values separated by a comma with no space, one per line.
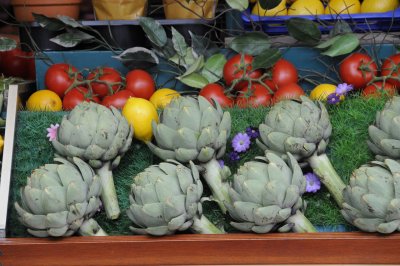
(214,178)
(328,176)
(91,228)
(301,224)
(201,225)
(108,194)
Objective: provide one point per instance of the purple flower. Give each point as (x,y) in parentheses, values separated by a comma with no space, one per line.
(333,98)
(241,142)
(313,183)
(343,88)
(221,163)
(234,156)
(52,132)
(252,132)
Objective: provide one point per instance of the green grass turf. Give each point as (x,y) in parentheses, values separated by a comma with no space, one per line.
(347,150)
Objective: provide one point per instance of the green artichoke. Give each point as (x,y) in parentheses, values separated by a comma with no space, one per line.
(60,199)
(100,136)
(193,129)
(165,198)
(385,133)
(372,198)
(266,196)
(302,128)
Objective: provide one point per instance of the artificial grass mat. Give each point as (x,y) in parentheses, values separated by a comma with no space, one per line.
(347,151)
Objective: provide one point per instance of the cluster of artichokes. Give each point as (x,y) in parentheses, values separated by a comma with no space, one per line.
(263,196)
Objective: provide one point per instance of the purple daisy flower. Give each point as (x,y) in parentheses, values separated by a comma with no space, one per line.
(241,142)
(252,132)
(313,182)
(333,98)
(221,163)
(234,156)
(344,88)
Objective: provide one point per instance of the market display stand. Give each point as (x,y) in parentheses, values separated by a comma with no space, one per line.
(288,248)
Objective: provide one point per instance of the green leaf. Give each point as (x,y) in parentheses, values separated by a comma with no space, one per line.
(345,44)
(179,42)
(214,67)
(69,21)
(194,80)
(188,60)
(7,44)
(154,31)
(51,24)
(269,4)
(304,30)
(197,65)
(340,27)
(240,5)
(72,38)
(252,43)
(203,45)
(135,57)
(267,59)
(327,43)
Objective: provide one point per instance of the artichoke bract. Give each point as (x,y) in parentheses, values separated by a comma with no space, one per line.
(266,196)
(302,128)
(60,199)
(385,133)
(165,198)
(372,198)
(100,136)
(193,129)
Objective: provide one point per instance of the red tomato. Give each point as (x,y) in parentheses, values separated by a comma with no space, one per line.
(118,99)
(271,84)
(18,63)
(377,89)
(289,91)
(256,96)
(236,68)
(283,72)
(216,92)
(391,66)
(60,77)
(141,83)
(77,95)
(109,81)
(357,69)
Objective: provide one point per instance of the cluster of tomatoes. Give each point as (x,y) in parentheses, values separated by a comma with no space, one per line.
(360,70)
(103,85)
(247,87)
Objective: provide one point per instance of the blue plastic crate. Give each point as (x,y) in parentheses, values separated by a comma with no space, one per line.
(365,22)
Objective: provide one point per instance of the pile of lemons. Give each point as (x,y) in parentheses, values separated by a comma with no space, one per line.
(321,7)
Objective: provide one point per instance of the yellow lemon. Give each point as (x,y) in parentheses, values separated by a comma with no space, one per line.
(162,97)
(337,7)
(279,10)
(1,144)
(306,7)
(377,6)
(140,113)
(44,100)
(322,91)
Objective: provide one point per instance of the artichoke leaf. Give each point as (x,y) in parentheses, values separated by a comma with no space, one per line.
(188,117)
(386,120)
(175,223)
(246,210)
(207,137)
(391,147)
(76,192)
(147,195)
(266,215)
(368,224)
(192,198)
(283,215)
(262,229)
(185,138)
(185,177)
(161,153)
(252,191)
(393,210)
(33,198)
(390,227)
(86,171)
(186,155)
(210,118)
(276,141)
(299,146)
(291,196)
(68,174)
(245,227)
(174,206)
(54,199)
(382,186)
(145,219)
(169,116)
(38,233)
(65,131)
(206,154)
(376,205)
(158,230)
(377,134)
(56,219)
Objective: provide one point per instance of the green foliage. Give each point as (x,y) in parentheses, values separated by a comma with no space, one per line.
(347,150)
(304,30)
